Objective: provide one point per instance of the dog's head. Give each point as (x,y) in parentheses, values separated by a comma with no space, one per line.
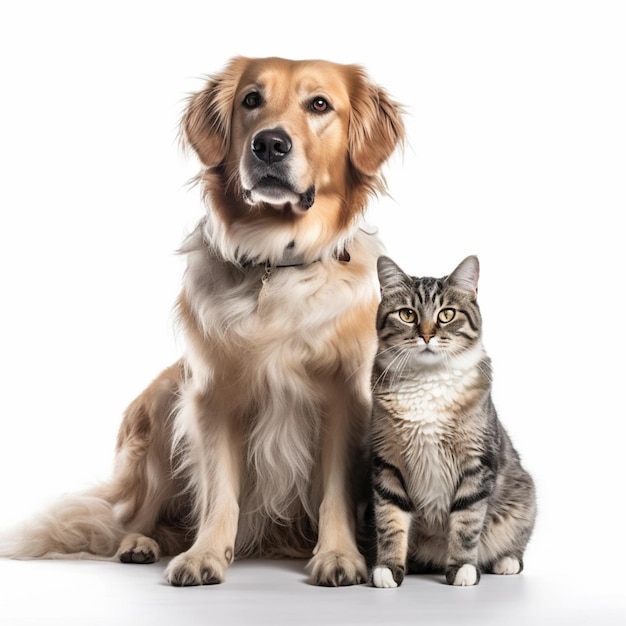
(292,136)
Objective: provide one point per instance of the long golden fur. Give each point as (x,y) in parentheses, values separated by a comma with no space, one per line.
(248,445)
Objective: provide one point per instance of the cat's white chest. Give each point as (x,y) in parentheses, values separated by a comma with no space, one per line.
(424,413)
(430,400)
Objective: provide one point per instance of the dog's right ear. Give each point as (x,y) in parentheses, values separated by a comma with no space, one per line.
(206,123)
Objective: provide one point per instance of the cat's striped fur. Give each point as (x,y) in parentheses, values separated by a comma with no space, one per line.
(449,491)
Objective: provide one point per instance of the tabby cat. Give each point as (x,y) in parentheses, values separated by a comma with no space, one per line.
(449,492)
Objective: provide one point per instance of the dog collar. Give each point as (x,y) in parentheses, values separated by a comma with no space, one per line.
(291,260)
(343,256)
(288,260)
(269,267)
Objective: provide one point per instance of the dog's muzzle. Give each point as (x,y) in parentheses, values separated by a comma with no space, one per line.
(269,172)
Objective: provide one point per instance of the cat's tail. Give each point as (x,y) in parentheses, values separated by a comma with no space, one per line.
(77,526)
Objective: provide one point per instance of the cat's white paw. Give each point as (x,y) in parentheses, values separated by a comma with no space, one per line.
(507,566)
(383,578)
(466,576)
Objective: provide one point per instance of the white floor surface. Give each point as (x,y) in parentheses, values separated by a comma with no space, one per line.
(89,593)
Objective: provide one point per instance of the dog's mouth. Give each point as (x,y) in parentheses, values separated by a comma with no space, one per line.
(276,192)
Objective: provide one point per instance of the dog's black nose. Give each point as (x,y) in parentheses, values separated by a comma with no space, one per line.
(271,145)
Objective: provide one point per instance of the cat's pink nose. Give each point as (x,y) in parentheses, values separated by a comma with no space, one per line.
(426,338)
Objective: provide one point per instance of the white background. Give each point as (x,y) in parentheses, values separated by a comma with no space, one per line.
(516,121)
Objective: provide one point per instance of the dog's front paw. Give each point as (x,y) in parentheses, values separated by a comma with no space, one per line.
(336,569)
(191,568)
(137,548)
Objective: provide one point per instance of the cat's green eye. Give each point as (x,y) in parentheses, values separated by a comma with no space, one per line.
(446,315)
(407,315)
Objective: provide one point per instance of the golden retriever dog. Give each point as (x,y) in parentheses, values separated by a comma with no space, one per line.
(249,446)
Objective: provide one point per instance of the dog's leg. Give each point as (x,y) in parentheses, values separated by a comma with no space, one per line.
(143,481)
(216,451)
(337,560)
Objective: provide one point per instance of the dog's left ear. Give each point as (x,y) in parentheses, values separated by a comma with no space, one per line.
(206,122)
(376,125)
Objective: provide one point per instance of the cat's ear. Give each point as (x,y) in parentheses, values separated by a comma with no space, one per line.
(389,274)
(465,276)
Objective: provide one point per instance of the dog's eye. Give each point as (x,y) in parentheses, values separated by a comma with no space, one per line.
(252,100)
(319,104)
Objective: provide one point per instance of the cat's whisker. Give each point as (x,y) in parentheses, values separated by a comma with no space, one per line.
(391,364)
(379,354)
(398,366)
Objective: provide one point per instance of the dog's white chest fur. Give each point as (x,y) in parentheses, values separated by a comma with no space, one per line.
(270,345)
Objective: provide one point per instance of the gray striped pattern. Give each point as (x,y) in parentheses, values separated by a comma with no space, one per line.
(449,491)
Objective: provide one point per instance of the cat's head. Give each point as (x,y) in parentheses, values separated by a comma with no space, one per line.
(433,321)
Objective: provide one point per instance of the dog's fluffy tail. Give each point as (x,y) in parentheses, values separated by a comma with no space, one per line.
(77,526)
(135,500)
